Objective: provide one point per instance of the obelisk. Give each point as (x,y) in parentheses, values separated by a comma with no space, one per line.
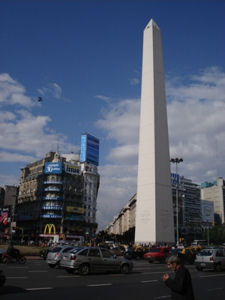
(154,211)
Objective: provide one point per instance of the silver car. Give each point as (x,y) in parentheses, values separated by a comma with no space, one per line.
(55,255)
(95,260)
(210,258)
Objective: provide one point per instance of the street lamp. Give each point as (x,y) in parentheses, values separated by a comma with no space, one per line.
(177,161)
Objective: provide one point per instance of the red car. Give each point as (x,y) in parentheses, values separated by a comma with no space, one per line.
(157,254)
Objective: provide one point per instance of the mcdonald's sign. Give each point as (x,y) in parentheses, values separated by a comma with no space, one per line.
(50,229)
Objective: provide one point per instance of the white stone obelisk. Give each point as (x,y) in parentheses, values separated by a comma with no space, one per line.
(154,211)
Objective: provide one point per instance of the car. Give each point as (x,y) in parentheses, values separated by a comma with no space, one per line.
(94,260)
(2,251)
(157,254)
(54,255)
(210,258)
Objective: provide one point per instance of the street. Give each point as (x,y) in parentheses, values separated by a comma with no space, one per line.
(35,280)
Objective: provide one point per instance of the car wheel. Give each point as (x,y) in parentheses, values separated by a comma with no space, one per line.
(22,260)
(198,268)
(51,265)
(218,268)
(124,269)
(84,269)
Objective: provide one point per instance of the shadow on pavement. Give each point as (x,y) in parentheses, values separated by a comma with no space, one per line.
(8,289)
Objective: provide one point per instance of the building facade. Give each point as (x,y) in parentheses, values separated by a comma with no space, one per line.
(215,192)
(59,191)
(189,211)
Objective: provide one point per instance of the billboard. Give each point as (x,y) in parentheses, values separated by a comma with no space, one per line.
(89,149)
(75,209)
(207,210)
(71,169)
(175,178)
(53,168)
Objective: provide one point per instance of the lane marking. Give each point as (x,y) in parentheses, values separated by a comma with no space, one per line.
(146,281)
(38,271)
(25,277)
(100,284)
(17,267)
(215,289)
(67,276)
(214,275)
(152,273)
(40,288)
(163,297)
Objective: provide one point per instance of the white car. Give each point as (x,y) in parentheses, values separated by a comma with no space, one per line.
(55,255)
(210,258)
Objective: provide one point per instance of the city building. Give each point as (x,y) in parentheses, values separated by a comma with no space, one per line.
(189,208)
(59,192)
(190,220)
(2,196)
(215,192)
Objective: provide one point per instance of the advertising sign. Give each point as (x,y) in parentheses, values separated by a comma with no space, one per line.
(207,209)
(74,218)
(175,178)
(53,168)
(89,149)
(50,228)
(83,149)
(75,209)
(72,169)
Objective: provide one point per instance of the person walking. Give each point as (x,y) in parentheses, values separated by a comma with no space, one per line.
(181,284)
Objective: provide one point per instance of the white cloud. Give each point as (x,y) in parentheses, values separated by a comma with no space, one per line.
(51,90)
(134,81)
(15,157)
(8,180)
(196,120)
(196,124)
(104,98)
(25,137)
(121,121)
(11,92)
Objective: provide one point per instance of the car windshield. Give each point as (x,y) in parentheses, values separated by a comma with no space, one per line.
(206,252)
(56,249)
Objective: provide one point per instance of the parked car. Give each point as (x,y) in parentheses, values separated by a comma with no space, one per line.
(55,255)
(157,254)
(94,260)
(1,254)
(210,258)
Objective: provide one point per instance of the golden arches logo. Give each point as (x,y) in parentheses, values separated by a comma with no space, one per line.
(50,228)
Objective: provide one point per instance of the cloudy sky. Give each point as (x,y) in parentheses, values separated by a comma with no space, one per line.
(84,58)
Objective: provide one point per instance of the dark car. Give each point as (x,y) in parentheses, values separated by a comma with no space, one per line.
(94,260)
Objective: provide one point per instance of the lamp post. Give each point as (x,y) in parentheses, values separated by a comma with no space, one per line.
(177,161)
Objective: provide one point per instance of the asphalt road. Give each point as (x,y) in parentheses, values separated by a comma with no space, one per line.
(35,280)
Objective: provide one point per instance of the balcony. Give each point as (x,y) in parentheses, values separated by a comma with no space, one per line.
(52,207)
(53,189)
(52,198)
(53,182)
(51,216)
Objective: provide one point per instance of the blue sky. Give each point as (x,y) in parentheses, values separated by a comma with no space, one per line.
(85,59)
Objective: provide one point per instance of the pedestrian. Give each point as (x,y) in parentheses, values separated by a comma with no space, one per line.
(180,284)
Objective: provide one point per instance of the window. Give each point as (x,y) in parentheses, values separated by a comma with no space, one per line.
(94,252)
(84,253)
(106,253)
